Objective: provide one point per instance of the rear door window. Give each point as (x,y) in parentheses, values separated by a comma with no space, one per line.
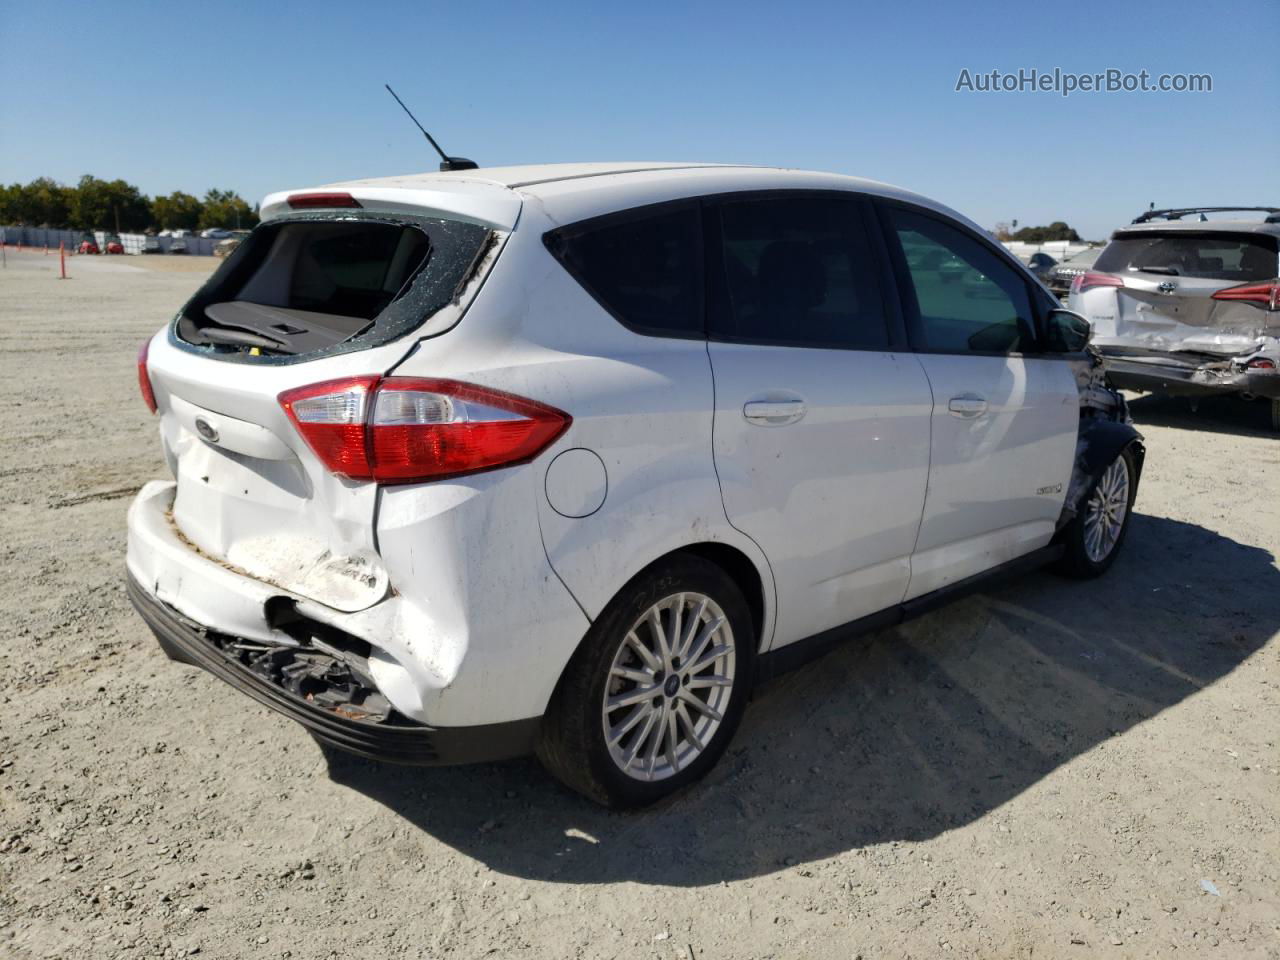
(797,271)
(644,266)
(1233,257)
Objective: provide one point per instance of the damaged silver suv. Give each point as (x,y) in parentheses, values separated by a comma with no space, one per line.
(1189,308)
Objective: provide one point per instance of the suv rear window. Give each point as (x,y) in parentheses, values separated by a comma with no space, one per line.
(1238,257)
(643,266)
(305,286)
(352,270)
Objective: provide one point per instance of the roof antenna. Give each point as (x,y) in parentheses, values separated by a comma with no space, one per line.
(446,162)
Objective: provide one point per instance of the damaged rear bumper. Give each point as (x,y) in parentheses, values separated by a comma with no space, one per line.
(1179,378)
(426,709)
(404,741)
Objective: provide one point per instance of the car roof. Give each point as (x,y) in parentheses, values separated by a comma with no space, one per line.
(1199,226)
(568,192)
(531,174)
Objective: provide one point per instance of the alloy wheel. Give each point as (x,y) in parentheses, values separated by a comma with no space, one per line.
(669,686)
(1106,511)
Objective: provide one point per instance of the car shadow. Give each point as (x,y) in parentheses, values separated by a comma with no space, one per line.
(1220,414)
(901,736)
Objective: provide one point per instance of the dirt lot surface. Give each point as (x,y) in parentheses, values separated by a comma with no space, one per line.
(1051,769)
(173,263)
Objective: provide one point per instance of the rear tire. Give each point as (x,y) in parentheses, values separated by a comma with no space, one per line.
(653,695)
(1095,535)
(1275,413)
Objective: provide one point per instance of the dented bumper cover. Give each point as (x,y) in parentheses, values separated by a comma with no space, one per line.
(394,742)
(435,647)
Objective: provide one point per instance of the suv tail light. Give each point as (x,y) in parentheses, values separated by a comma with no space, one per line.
(1267,294)
(144,378)
(409,430)
(1084,281)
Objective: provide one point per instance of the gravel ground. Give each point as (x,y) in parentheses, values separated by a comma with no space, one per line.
(1052,768)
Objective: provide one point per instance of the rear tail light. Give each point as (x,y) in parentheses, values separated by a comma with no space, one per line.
(408,430)
(1267,294)
(308,201)
(1085,281)
(144,378)
(1261,363)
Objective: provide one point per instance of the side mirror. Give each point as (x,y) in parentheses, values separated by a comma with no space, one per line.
(1066,331)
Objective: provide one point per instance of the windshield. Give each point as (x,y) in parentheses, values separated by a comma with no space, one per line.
(1234,257)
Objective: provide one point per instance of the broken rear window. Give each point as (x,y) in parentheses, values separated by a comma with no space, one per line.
(1238,257)
(312,285)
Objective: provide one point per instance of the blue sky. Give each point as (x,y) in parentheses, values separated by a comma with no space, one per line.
(263,96)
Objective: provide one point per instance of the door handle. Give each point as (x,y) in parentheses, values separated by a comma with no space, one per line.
(967,406)
(773,413)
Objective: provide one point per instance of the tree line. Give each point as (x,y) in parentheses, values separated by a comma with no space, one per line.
(94,204)
(1058,230)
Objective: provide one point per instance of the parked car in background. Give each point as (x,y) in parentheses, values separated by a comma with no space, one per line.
(476,464)
(88,244)
(114,244)
(224,247)
(177,245)
(1068,268)
(215,233)
(1189,307)
(1041,264)
(151,245)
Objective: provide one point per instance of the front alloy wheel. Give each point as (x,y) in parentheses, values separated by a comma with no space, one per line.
(1107,511)
(1094,536)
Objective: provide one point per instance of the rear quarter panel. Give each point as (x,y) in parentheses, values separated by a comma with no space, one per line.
(642,404)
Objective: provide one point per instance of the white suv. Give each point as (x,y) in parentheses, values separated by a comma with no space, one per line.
(567,458)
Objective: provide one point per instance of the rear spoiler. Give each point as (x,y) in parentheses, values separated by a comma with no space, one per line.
(483,202)
(1177,213)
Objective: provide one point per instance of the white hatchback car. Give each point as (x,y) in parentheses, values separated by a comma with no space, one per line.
(567,458)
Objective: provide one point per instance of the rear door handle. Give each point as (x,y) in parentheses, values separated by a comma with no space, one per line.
(967,406)
(773,413)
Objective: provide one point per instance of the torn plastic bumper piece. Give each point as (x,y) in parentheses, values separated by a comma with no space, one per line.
(1256,374)
(394,739)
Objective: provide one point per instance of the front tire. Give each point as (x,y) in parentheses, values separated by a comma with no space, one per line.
(1094,536)
(653,696)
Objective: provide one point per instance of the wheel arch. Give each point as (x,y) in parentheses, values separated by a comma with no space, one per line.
(744,570)
(756,585)
(740,568)
(1100,442)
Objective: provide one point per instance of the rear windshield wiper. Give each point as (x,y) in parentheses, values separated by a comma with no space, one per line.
(1166,271)
(239,338)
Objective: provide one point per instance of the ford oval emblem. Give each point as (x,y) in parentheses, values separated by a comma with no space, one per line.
(206,430)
